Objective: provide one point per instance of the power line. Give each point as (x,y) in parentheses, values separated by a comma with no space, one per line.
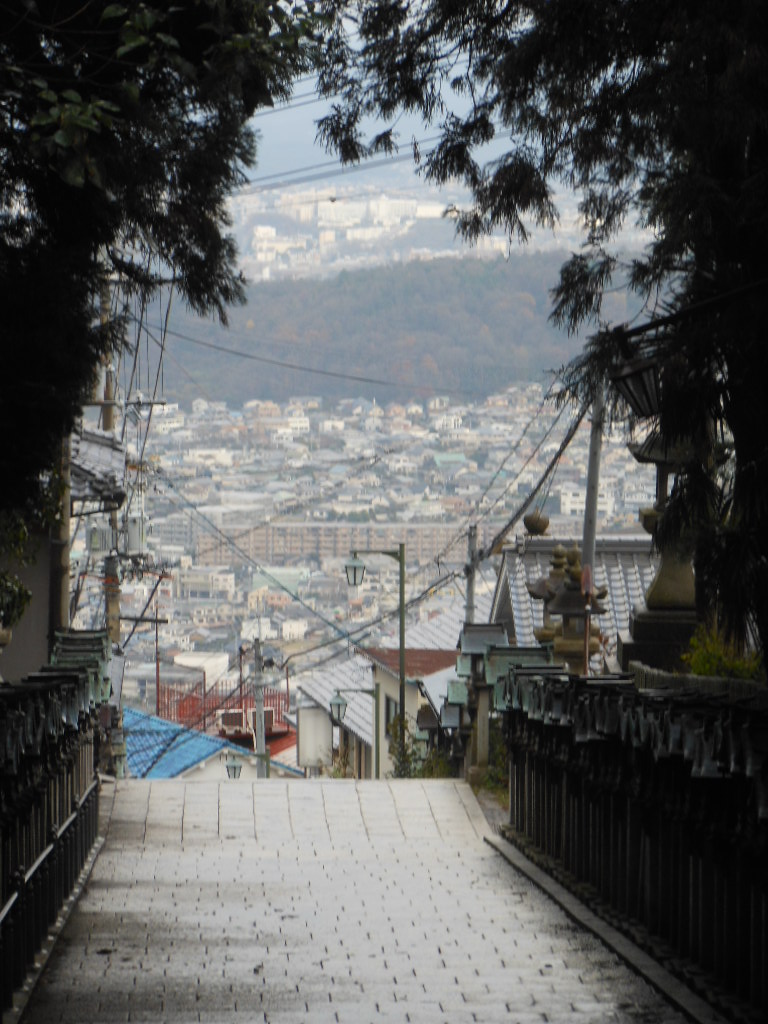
(348,636)
(333,167)
(310,173)
(365,461)
(421,389)
(473,516)
(302,99)
(486,512)
(342,634)
(497,540)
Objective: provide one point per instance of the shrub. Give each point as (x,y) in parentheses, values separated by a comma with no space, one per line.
(710,655)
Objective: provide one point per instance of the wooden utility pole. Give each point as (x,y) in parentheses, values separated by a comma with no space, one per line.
(259,731)
(590,516)
(469,614)
(111,562)
(593,480)
(58,615)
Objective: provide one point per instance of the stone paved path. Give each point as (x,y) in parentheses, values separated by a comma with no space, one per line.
(322,901)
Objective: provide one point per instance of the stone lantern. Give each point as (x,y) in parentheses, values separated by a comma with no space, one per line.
(660,627)
(580,638)
(544,589)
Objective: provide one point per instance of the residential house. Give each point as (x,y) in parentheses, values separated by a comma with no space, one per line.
(369,681)
(158,749)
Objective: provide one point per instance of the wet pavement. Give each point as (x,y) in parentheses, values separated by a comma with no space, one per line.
(320,901)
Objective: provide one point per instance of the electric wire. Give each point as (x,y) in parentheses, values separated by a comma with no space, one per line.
(369,463)
(477,514)
(487,511)
(484,553)
(420,389)
(348,637)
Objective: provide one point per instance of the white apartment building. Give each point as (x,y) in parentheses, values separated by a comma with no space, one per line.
(573,501)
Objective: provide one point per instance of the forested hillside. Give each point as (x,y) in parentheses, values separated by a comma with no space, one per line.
(464,327)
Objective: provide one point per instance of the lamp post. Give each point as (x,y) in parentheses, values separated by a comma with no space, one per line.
(233,765)
(355,570)
(339,709)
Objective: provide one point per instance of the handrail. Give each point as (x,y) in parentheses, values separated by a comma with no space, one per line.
(44,864)
(8,908)
(29,875)
(68,822)
(81,800)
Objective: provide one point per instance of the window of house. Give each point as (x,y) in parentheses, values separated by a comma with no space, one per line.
(391,708)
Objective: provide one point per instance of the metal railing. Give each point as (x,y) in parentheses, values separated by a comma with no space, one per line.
(653,804)
(42,889)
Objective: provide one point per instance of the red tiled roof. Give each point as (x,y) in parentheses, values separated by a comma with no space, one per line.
(419,662)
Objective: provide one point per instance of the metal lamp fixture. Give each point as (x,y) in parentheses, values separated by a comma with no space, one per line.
(234,766)
(639,384)
(338,708)
(355,570)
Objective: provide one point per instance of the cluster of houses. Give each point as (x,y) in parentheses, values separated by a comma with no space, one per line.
(246,516)
(624,775)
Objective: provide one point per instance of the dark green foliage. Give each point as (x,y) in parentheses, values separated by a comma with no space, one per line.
(436,765)
(122,129)
(656,114)
(404,755)
(497,776)
(18,546)
(14,598)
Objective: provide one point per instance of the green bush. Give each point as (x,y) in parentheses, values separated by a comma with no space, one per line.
(711,655)
(436,765)
(497,775)
(14,598)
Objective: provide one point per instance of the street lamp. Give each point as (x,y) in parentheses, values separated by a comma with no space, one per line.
(355,570)
(339,709)
(638,381)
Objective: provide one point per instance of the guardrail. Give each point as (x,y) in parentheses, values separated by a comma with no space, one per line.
(655,803)
(42,889)
(49,738)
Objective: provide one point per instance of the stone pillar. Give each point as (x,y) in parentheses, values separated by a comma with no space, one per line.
(660,628)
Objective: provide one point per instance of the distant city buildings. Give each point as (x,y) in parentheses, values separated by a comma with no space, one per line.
(255,510)
(304,232)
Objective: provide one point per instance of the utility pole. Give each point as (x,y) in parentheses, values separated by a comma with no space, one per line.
(593,479)
(590,515)
(469,614)
(157,664)
(261,739)
(111,562)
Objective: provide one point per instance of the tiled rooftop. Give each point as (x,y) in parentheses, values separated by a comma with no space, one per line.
(624,565)
(157,749)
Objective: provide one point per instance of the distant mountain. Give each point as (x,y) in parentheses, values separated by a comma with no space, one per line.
(466,327)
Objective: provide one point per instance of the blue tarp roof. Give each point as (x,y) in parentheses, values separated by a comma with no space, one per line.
(157,749)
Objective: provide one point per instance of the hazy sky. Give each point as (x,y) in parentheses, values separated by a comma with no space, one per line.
(288,153)
(287,145)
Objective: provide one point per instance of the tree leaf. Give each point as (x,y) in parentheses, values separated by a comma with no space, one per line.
(113,11)
(64,137)
(132,43)
(73,173)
